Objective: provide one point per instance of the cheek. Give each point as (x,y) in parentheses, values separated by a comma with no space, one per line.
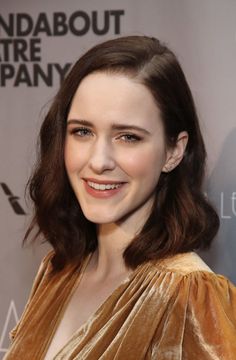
(68,157)
(72,157)
(144,163)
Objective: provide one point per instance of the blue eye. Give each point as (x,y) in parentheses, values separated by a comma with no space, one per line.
(130,138)
(81,131)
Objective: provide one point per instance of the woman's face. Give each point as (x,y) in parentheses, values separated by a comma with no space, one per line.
(115,148)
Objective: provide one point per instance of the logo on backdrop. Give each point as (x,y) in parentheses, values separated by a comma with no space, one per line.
(21,60)
(11,320)
(227,205)
(13,200)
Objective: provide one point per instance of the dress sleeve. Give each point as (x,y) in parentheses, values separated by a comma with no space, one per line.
(44,268)
(198,317)
(210,319)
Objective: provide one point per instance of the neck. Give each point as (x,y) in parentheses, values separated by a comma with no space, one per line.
(113,238)
(107,259)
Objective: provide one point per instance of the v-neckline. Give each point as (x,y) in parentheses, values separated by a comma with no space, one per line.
(93,315)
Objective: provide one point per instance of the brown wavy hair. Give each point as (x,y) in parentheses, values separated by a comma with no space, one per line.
(181,219)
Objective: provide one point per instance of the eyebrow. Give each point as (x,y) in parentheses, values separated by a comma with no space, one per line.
(114,126)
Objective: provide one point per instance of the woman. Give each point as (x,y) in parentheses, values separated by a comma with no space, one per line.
(118,194)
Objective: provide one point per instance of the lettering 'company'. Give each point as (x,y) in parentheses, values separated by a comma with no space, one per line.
(21,49)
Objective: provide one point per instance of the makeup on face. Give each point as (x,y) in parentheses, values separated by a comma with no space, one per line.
(115,148)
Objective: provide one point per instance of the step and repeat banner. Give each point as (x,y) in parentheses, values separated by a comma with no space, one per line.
(38,43)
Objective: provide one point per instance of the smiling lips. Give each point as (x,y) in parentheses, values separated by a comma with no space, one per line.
(103,186)
(102,189)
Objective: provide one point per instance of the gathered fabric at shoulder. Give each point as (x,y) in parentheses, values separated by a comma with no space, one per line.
(203,319)
(211,318)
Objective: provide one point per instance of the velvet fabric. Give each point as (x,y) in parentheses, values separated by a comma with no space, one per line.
(169,309)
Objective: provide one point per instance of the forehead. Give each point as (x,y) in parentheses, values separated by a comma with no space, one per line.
(114,97)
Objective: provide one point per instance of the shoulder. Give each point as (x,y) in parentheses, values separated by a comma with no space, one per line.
(184,264)
(46,262)
(46,282)
(44,269)
(188,274)
(201,303)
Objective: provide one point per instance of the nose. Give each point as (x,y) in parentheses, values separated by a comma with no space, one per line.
(102,157)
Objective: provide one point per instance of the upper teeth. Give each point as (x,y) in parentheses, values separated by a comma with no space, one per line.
(103,186)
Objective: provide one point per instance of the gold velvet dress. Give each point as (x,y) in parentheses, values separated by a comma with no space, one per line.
(171,309)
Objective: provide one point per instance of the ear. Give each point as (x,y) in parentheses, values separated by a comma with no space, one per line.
(176,153)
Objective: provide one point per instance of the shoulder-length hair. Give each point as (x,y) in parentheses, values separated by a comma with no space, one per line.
(181,219)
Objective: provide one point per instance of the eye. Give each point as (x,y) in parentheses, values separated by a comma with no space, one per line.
(81,132)
(130,138)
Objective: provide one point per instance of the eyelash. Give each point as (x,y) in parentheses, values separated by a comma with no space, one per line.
(130,138)
(84,132)
(79,131)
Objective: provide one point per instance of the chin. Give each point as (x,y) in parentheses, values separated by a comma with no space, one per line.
(100,218)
